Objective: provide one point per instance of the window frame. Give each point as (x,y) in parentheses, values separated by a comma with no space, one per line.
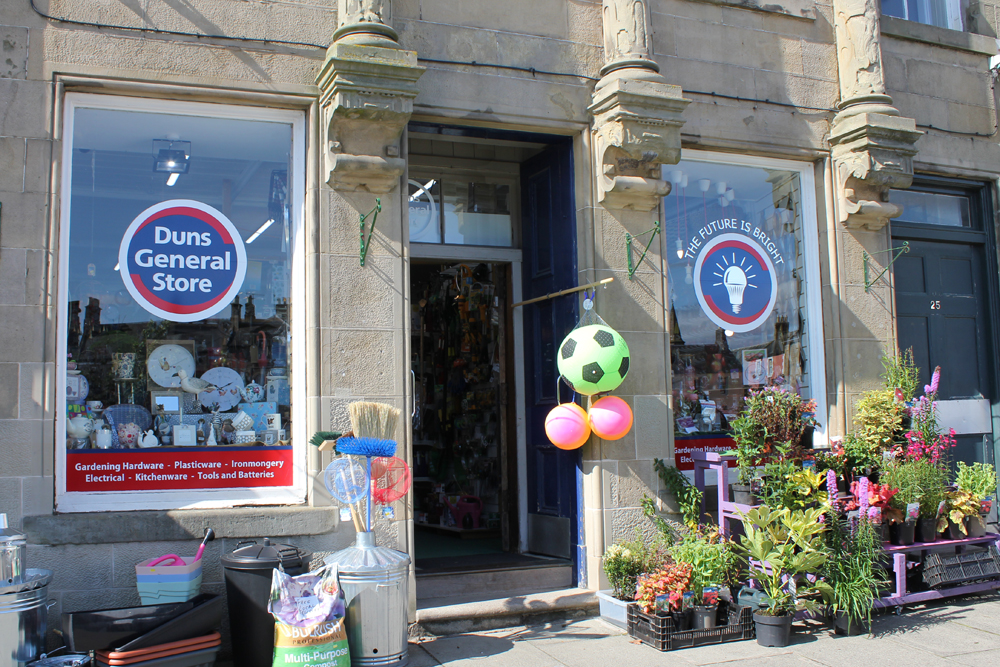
(812,281)
(80,501)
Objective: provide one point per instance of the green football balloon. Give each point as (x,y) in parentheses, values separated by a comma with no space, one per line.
(593,359)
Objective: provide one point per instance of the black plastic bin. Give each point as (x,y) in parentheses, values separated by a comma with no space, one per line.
(248,589)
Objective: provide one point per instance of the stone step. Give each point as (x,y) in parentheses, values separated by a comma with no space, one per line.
(505,612)
(520,579)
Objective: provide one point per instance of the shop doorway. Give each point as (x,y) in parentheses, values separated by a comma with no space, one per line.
(945,296)
(484,208)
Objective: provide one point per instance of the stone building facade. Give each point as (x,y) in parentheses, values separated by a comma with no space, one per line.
(851,106)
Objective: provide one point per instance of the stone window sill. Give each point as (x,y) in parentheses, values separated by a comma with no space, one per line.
(943,37)
(796,9)
(156,526)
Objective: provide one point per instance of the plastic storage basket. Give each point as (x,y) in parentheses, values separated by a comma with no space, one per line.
(161,583)
(962,568)
(658,631)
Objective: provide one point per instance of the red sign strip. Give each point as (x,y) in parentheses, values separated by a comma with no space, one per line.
(172,468)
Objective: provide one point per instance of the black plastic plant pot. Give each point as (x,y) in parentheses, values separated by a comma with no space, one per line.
(927,530)
(975,525)
(704,616)
(954,532)
(852,627)
(773,630)
(903,534)
(682,619)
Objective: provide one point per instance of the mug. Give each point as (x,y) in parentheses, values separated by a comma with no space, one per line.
(242,421)
(94,405)
(245,437)
(273,421)
(104,438)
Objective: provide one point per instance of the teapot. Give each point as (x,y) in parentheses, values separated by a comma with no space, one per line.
(79,427)
(128,434)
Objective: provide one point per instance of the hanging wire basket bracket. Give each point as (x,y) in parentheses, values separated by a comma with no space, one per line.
(633,266)
(866,258)
(366,244)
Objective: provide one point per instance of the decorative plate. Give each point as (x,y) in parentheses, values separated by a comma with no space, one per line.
(229,389)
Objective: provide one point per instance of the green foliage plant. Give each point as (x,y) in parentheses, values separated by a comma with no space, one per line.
(783,546)
(921,482)
(712,558)
(899,372)
(979,479)
(686,494)
(770,418)
(785,483)
(854,566)
(960,505)
(623,562)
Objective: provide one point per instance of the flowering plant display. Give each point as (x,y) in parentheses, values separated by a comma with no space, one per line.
(960,505)
(672,577)
(625,561)
(923,439)
(773,417)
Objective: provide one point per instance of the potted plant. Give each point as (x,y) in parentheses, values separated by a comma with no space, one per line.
(623,563)
(980,480)
(667,583)
(920,482)
(853,570)
(960,505)
(783,546)
(713,567)
(771,417)
(875,502)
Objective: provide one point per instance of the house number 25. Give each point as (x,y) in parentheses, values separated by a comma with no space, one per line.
(935,305)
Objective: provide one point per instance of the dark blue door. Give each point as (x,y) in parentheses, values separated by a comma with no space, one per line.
(549,265)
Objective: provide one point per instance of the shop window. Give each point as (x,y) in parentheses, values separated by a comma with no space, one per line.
(932,208)
(942,13)
(743,291)
(180,257)
(461,210)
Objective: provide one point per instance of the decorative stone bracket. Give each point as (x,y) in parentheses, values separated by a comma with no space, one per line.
(367,97)
(872,152)
(637,123)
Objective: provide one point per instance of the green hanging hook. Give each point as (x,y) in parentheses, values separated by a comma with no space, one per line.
(366,244)
(633,266)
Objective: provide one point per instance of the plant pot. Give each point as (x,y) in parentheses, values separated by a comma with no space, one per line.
(842,485)
(682,620)
(852,627)
(954,532)
(123,365)
(773,630)
(975,525)
(883,531)
(704,616)
(927,530)
(903,534)
(613,610)
(742,494)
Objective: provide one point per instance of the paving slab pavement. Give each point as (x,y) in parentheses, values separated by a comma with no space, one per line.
(960,632)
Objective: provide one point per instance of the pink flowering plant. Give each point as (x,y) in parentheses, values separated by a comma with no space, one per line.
(924,441)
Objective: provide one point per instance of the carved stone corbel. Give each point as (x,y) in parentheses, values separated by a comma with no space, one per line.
(872,146)
(637,114)
(367,86)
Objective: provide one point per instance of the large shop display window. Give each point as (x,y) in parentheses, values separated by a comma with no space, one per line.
(742,251)
(180,272)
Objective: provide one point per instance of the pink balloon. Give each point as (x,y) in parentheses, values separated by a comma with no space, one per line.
(567,426)
(610,418)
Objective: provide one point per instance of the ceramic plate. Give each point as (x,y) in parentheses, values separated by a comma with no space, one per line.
(228,393)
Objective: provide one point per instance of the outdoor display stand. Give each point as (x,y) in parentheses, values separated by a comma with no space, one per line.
(720,466)
(901,597)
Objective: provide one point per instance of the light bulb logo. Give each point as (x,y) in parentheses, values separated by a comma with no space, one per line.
(735,282)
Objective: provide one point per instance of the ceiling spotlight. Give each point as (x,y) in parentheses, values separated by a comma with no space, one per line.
(171,157)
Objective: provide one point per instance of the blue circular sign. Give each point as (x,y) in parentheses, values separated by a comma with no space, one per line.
(182,260)
(735,283)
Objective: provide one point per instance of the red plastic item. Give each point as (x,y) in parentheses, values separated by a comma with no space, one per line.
(160,650)
(170,557)
(391,479)
(467,506)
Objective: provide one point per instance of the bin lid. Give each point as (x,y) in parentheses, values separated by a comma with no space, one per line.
(263,556)
(7,534)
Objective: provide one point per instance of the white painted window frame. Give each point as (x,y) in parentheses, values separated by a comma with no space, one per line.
(810,241)
(188,498)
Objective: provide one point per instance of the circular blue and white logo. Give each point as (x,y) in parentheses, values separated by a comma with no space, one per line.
(735,283)
(182,260)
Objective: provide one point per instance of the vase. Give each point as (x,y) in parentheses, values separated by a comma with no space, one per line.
(613,610)
(742,494)
(975,525)
(773,630)
(852,627)
(927,529)
(903,534)
(704,616)
(123,365)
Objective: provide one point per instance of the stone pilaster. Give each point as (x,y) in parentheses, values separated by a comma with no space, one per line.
(637,114)
(871,144)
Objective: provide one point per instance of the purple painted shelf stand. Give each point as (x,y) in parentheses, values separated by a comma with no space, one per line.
(720,465)
(901,597)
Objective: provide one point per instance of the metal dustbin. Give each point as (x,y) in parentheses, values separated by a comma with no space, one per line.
(248,589)
(23,616)
(375,583)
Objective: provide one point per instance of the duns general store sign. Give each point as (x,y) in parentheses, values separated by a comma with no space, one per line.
(182,260)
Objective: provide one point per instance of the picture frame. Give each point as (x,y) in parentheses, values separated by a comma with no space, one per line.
(171,400)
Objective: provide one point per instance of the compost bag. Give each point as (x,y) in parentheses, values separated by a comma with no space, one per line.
(308,612)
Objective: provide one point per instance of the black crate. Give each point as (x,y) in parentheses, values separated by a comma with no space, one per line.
(658,631)
(962,568)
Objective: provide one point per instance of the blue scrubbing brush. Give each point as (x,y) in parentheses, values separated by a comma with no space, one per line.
(366,446)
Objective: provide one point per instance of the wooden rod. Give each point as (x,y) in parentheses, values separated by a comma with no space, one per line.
(565,291)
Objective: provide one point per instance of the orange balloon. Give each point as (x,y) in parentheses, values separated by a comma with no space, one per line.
(610,418)
(567,427)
